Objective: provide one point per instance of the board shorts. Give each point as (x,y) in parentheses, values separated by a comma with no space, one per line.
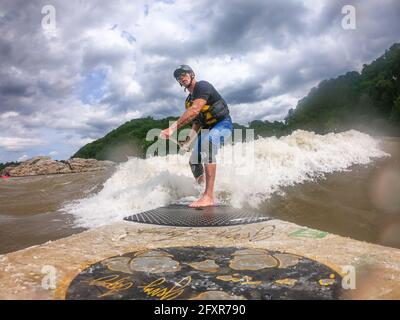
(207,145)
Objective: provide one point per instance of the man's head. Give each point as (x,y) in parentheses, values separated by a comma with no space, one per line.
(184,75)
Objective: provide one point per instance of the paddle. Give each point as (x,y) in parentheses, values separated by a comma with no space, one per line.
(180,144)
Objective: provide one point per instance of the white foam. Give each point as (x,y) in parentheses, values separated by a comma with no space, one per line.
(143,184)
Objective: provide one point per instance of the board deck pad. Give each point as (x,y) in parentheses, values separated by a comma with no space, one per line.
(185,216)
(198,273)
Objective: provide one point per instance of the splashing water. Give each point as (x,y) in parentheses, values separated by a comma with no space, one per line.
(260,168)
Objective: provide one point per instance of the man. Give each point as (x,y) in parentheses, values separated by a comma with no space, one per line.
(209,113)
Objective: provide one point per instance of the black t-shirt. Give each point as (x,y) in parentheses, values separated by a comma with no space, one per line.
(204,90)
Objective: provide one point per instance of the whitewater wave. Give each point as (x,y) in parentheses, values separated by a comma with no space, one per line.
(260,168)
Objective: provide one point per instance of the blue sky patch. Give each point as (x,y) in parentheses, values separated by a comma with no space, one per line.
(93,86)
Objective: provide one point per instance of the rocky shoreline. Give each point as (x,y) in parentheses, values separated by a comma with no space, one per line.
(43,165)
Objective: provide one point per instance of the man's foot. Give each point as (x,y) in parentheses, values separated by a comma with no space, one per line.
(204,201)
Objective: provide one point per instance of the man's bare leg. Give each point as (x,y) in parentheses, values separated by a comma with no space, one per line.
(208,197)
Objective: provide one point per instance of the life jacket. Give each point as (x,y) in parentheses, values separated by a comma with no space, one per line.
(210,114)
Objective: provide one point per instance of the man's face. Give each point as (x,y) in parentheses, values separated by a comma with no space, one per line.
(184,79)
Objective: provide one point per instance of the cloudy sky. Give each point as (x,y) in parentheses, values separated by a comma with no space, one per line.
(70,77)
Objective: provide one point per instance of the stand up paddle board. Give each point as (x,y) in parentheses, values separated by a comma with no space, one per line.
(185,216)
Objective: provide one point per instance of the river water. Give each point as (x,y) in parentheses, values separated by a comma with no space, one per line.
(345,183)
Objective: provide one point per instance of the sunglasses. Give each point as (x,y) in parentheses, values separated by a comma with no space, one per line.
(179,76)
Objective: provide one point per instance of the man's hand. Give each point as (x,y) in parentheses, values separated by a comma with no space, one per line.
(185,146)
(188,116)
(166,133)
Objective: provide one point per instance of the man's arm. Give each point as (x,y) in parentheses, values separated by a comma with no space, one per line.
(189,115)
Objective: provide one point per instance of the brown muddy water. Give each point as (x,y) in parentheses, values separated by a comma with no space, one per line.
(29,207)
(363,203)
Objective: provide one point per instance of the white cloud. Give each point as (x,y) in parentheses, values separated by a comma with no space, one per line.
(261,59)
(271,109)
(23,158)
(8,115)
(18,144)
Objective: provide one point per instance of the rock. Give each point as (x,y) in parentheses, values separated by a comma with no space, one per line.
(37,166)
(82,165)
(42,165)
